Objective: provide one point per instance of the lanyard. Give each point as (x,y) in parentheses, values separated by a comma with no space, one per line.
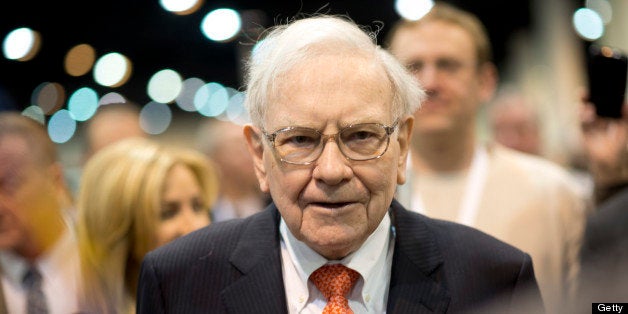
(472,193)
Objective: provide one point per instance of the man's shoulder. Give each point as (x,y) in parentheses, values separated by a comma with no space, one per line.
(459,238)
(463,257)
(532,169)
(527,161)
(453,238)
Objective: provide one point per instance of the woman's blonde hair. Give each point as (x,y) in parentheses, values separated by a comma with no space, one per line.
(118,208)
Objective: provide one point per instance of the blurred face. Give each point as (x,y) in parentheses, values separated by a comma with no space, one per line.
(28,199)
(182,211)
(110,127)
(234,160)
(332,204)
(442,56)
(516,128)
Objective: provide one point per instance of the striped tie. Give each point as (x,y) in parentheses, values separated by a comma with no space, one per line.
(35,298)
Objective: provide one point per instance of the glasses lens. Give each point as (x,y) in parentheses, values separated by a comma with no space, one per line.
(357,142)
(364,141)
(297,145)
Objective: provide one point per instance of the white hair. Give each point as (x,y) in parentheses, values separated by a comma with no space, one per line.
(295,43)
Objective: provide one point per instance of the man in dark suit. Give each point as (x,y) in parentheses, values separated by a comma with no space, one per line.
(331,124)
(603,273)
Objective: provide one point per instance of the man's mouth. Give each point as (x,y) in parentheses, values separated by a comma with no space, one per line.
(331,205)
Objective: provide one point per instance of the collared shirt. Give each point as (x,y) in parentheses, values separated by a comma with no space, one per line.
(373,261)
(59,270)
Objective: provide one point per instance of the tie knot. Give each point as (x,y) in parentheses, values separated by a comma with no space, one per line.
(334,280)
(32,278)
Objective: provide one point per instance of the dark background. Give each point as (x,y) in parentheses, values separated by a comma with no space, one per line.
(154,39)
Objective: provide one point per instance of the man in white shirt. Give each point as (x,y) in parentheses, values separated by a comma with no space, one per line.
(524,200)
(34,223)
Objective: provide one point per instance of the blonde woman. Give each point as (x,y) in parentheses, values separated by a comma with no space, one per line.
(134,196)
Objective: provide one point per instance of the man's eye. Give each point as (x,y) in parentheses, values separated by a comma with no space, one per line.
(360,136)
(298,140)
(302,139)
(448,66)
(414,67)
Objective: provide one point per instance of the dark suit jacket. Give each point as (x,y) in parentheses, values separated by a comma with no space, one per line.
(604,254)
(235,267)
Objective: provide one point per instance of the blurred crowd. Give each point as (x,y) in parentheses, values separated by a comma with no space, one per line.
(78,238)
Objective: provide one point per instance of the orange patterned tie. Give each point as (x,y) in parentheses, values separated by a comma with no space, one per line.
(335,281)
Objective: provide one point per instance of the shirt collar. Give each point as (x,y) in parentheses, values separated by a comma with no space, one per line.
(368,260)
(15,266)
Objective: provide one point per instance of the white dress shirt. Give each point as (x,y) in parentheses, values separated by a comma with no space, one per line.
(372,261)
(59,270)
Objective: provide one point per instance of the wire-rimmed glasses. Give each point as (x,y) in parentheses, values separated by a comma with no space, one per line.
(359,142)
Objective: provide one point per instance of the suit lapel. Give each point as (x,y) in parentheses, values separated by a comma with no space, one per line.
(416,283)
(257,257)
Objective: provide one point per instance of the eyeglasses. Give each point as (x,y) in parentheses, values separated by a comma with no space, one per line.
(358,142)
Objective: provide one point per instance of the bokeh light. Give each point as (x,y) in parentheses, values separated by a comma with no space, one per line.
(236,111)
(35,113)
(83,103)
(211,99)
(62,126)
(221,24)
(602,7)
(181,7)
(111,98)
(588,24)
(79,60)
(21,44)
(112,70)
(164,86)
(155,118)
(185,100)
(49,96)
(413,9)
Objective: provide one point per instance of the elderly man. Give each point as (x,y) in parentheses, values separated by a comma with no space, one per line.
(331,125)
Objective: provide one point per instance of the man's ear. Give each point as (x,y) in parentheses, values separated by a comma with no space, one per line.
(404,137)
(256,149)
(64,194)
(489,77)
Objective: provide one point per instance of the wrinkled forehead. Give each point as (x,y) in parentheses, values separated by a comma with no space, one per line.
(332,72)
(334,83)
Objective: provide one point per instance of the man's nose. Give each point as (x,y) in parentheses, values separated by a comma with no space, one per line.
(427,76)
(332,166)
